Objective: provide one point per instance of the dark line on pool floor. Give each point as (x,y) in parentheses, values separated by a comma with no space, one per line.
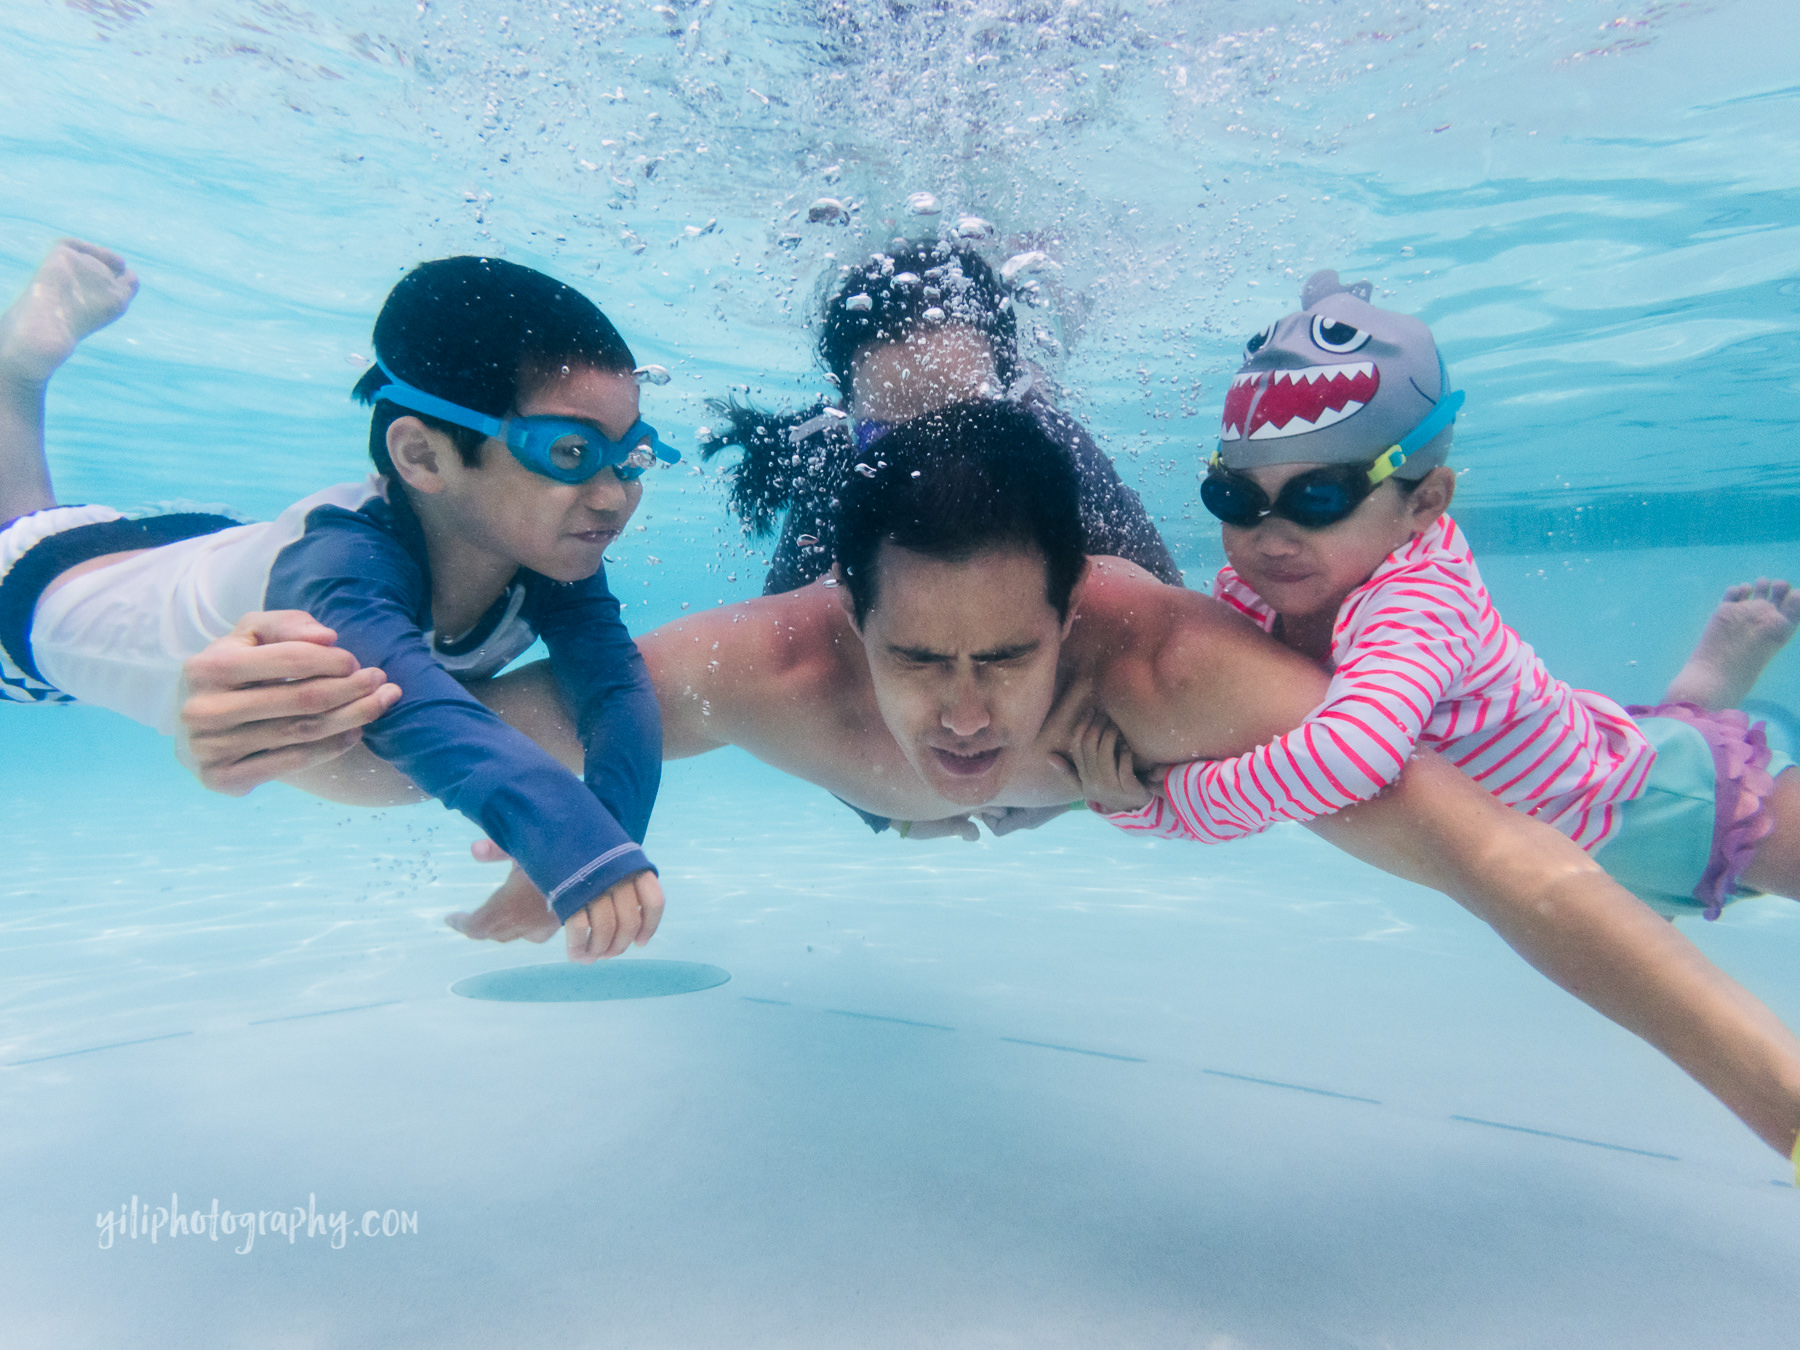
(110,1045)
(1292,1087)
(901,1021)
(932,1026)
(1076,1050)
(326,1012)
(1566,1138)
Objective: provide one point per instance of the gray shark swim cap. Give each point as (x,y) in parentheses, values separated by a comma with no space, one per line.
(1337,383)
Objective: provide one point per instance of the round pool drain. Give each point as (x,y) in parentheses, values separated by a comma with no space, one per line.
(566,982)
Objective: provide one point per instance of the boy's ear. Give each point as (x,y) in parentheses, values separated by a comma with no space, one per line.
(1430,499)
(418,454)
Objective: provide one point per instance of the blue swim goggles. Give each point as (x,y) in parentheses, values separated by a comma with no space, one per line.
(556,447)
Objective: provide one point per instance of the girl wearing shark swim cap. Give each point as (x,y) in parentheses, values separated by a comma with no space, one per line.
(1331,486)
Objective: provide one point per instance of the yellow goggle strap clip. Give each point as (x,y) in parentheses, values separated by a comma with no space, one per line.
(1385,464)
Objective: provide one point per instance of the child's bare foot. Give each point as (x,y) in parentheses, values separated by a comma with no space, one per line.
(77,289)
(1750,625)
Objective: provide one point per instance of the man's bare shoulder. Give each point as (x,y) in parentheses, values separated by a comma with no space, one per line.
(1181,673)
(781,646)
(1128,624)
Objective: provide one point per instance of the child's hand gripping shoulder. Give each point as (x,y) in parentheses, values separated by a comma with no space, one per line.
(1101,758)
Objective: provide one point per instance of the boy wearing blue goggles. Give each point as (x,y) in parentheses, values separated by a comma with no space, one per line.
(430,576)
(556,447)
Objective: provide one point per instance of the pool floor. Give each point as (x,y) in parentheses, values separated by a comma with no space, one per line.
(1062,1090)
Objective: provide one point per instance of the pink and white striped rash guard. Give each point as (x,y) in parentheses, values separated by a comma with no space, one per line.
(1418,656)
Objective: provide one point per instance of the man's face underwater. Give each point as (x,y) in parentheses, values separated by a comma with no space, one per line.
(963,656)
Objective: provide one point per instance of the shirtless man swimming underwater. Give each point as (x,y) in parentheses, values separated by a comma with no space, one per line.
(968,640)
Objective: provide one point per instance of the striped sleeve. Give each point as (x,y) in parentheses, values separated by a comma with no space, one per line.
(1415,634)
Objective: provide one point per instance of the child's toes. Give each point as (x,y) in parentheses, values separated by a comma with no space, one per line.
(1735,593)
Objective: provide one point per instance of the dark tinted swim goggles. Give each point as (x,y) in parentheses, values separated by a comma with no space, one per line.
(1319,497)
(1312,500)
(556,447)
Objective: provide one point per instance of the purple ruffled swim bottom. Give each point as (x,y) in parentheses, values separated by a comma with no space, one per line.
(1744,770)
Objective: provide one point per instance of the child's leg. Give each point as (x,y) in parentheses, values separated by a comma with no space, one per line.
(77,289)
(1776,866)
(1750,625)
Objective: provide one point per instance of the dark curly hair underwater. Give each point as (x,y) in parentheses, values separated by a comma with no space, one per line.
(794,461)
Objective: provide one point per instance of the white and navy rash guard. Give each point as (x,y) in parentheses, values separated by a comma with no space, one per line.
(356,560)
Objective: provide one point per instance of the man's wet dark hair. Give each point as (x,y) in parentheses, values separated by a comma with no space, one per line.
(894,295)
(956,482)
(480,332)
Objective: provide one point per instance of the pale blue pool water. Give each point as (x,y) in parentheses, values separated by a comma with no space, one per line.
(1060,1089)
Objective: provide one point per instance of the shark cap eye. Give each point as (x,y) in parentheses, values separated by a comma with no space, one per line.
(1329,335)
(1255,344)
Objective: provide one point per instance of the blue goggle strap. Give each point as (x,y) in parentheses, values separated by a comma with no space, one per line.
(398,391)
(668,454)
(1435,421)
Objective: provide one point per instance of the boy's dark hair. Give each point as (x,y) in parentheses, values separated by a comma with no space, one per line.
(950,484)
(480,332)
(953,279)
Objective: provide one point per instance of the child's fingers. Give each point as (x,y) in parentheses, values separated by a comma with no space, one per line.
(214,710)
(622,900)
(288,646)
(230,754)
(1127,763)
(1090,742)
(650,898)
(1115,756)
(244,755)
(282,625)
(578,935)
(239,776)
(949,827)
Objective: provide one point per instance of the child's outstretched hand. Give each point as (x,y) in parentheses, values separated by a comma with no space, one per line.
(1100,756)
(628,912)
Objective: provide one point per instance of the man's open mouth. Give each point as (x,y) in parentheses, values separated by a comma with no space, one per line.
(1266,404)
(966,766)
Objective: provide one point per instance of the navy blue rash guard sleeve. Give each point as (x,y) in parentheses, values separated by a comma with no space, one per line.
(353,577)
(607,688)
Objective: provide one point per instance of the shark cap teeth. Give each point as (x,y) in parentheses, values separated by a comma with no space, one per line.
(1336,383)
